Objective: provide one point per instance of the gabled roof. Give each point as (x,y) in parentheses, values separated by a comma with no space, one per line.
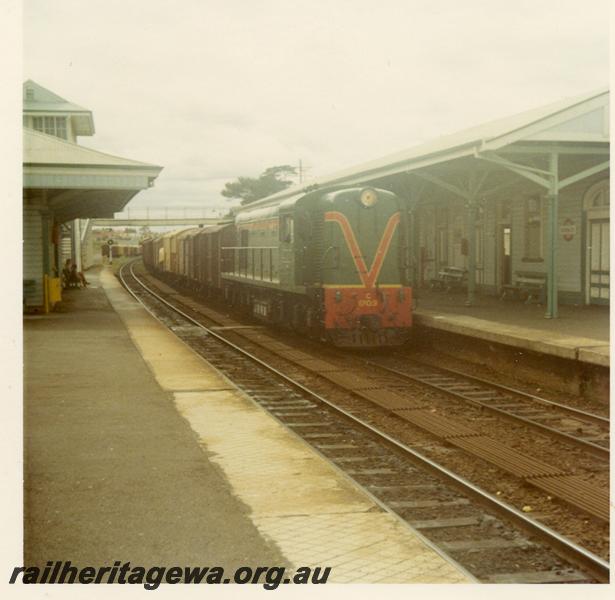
(44,97)
(38,99)
(545,123)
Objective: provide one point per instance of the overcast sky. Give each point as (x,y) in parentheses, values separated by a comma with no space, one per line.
(213,90)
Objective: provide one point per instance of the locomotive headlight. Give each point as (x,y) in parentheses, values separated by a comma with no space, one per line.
(368,197)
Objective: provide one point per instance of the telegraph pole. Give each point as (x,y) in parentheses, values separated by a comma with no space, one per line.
(301,170)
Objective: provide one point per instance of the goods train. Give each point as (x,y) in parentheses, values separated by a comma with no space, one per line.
(121,250)
(331,264)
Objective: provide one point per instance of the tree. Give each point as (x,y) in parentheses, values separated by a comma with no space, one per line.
(250,189)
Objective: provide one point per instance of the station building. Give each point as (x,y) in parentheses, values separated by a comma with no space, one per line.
(523,198)
(64,182)
(531,197)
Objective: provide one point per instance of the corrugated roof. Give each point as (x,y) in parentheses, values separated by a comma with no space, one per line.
(484,132)
(440,149)
(42,149)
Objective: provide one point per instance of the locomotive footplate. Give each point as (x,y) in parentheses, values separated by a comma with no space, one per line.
(358,316)
(363,338)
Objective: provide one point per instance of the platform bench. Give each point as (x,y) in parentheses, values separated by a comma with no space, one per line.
(68,284)
(528,285)
(449,278)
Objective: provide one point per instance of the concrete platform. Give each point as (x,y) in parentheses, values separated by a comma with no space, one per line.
(111,470)
(580,333)
(137,449)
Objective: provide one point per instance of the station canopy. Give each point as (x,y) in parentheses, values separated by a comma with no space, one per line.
(77,182)
(561,146)
(501,153)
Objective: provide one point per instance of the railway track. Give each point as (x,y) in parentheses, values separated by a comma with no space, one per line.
(479,531)
(580,428)
(386,394)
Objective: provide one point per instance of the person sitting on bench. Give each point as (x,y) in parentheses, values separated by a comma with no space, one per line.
(66,274)
(76,277)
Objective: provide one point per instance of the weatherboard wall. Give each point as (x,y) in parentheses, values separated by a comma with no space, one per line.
(33,257)
(571,246)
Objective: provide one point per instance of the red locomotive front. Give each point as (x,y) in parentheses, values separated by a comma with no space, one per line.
(367,299)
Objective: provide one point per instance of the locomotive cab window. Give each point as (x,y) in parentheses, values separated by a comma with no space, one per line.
(287,229)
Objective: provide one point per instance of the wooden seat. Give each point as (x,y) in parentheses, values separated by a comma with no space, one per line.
(528,285)
(449,278)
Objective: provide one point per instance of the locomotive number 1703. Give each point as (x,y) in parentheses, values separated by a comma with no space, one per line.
(368,301)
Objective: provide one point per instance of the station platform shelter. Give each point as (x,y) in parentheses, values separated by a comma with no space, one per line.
(64,182)
(520,202)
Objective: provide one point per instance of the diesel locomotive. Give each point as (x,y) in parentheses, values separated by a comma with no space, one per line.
(331,264)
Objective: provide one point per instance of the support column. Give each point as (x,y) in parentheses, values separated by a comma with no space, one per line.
(46,222)
(471,237)
(553,200)
(411,242)
(76,231)
(416,250)
(57,250)
(411,193)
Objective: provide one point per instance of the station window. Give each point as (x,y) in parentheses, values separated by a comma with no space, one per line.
(598,196)
(51,126)
(479,252)
(533,228)
(442,216)
(442,247)
(480,213)
(504,211)
(441,237)
(287,229)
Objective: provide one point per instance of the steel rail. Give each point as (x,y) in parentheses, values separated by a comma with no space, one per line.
(579,414)
(595,565)
(595,449)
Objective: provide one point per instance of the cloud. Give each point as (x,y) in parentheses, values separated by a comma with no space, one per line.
(213,90)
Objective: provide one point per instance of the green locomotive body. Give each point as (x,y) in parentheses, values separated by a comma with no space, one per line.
(332,263)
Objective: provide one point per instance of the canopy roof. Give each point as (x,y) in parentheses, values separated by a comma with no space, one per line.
(79,182)
(582,120)
(43,149)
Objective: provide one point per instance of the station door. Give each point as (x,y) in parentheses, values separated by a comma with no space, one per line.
(599,266)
